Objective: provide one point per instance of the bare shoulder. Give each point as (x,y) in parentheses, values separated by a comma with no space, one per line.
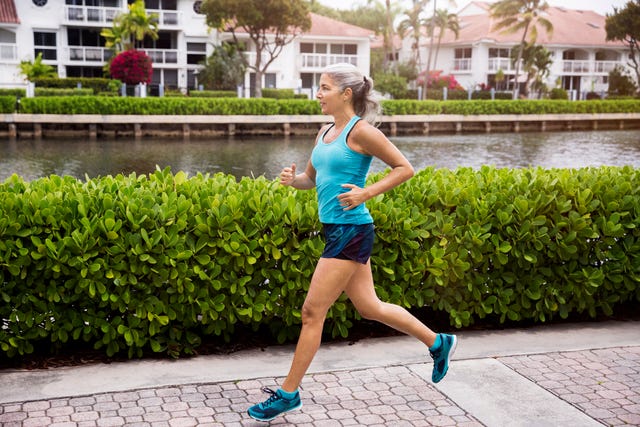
(365,137)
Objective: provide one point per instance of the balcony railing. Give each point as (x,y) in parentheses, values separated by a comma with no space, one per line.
(89,54)
(90,15)
(8,52)
(607,66)
(576,67)
(166,18)
(462,64)
(321,60)
(162,56)
(503,64)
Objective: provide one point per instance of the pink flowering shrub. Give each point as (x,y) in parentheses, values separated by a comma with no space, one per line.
(132,67)
(438,81)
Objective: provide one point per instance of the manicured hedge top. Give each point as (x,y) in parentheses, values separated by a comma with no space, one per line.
(266,106)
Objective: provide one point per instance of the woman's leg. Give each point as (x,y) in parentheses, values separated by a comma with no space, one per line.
(362,294)
(327,284)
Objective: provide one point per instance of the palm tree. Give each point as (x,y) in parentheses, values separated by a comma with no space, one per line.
(431,23)
(521,15)
(445,21)
(391,11)
(131,28)
(413,22)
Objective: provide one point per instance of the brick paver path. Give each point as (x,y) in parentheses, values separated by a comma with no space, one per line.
(604,384)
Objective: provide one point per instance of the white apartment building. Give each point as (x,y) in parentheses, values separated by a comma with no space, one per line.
(67,33)
(582,58)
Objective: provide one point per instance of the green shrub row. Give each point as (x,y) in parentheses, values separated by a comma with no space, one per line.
(97,84)
(8,104)
(44,91)
(266,106)
(158,262)
(213,94)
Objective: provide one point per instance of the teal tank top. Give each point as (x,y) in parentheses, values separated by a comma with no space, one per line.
(336,164)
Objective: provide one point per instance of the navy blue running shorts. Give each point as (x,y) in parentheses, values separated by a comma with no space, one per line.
(348,241)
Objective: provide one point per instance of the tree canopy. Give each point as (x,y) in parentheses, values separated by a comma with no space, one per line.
(131,27)
(624,25)
(269,25)
(521,16)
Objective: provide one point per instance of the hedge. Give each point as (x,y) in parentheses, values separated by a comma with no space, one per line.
(160,262)
(266,106)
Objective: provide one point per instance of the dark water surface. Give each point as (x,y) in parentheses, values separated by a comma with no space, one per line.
(256,156)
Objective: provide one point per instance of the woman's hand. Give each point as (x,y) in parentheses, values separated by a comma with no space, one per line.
(288,175)
(354,197)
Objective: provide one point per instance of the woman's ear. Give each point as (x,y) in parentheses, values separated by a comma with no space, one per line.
(347,94)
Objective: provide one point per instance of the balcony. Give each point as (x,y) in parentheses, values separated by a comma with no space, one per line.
(89,15)
(162,56)
(604,67)
(321,60)
(89,54)
(8,52)
(166,18)
(576,67)
(503,64)
(462,64)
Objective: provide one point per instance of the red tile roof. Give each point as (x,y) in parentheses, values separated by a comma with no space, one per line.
(570,28)
(8,12)
(323,26)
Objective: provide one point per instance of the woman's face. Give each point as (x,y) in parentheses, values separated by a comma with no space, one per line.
(331,98)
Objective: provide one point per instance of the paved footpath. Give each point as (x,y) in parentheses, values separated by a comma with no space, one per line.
(555,375)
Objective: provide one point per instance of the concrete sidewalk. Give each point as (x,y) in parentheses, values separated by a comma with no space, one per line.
(585,374)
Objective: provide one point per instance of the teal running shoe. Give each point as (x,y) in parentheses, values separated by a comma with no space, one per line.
(275,405)
(442,355)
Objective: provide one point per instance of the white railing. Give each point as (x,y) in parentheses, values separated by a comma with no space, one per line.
(321,60)
(162,56)
(576,67)
(503,64)
(462,64)
(89,54)
(166,18)
(8,52)
(607,66)
(90,15)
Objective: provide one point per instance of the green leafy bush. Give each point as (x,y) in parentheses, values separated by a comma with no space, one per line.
(7,104)
(42,91)
(158,262)
(266,106)
(213,94)
(98,84)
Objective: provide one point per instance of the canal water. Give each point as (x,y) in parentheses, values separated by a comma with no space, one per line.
(257,156)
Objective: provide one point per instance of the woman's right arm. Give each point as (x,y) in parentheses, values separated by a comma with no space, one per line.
(303,181)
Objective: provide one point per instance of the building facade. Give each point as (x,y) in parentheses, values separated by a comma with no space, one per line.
(67,33)
(582,58)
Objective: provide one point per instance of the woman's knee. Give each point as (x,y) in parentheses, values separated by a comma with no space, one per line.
(310,313)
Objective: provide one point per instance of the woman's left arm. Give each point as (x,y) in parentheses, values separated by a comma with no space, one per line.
(370,140)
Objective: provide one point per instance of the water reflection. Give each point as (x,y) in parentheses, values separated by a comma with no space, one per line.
(266,156)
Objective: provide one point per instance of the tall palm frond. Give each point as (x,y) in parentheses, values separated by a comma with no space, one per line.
(524,16)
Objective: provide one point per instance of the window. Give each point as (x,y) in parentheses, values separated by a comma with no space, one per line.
(499,53)
(84,37)
(159,4)
(463,53)
(310,80)
(196,53)
(45,43)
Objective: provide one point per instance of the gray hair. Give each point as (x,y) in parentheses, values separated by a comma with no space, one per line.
(366,101)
